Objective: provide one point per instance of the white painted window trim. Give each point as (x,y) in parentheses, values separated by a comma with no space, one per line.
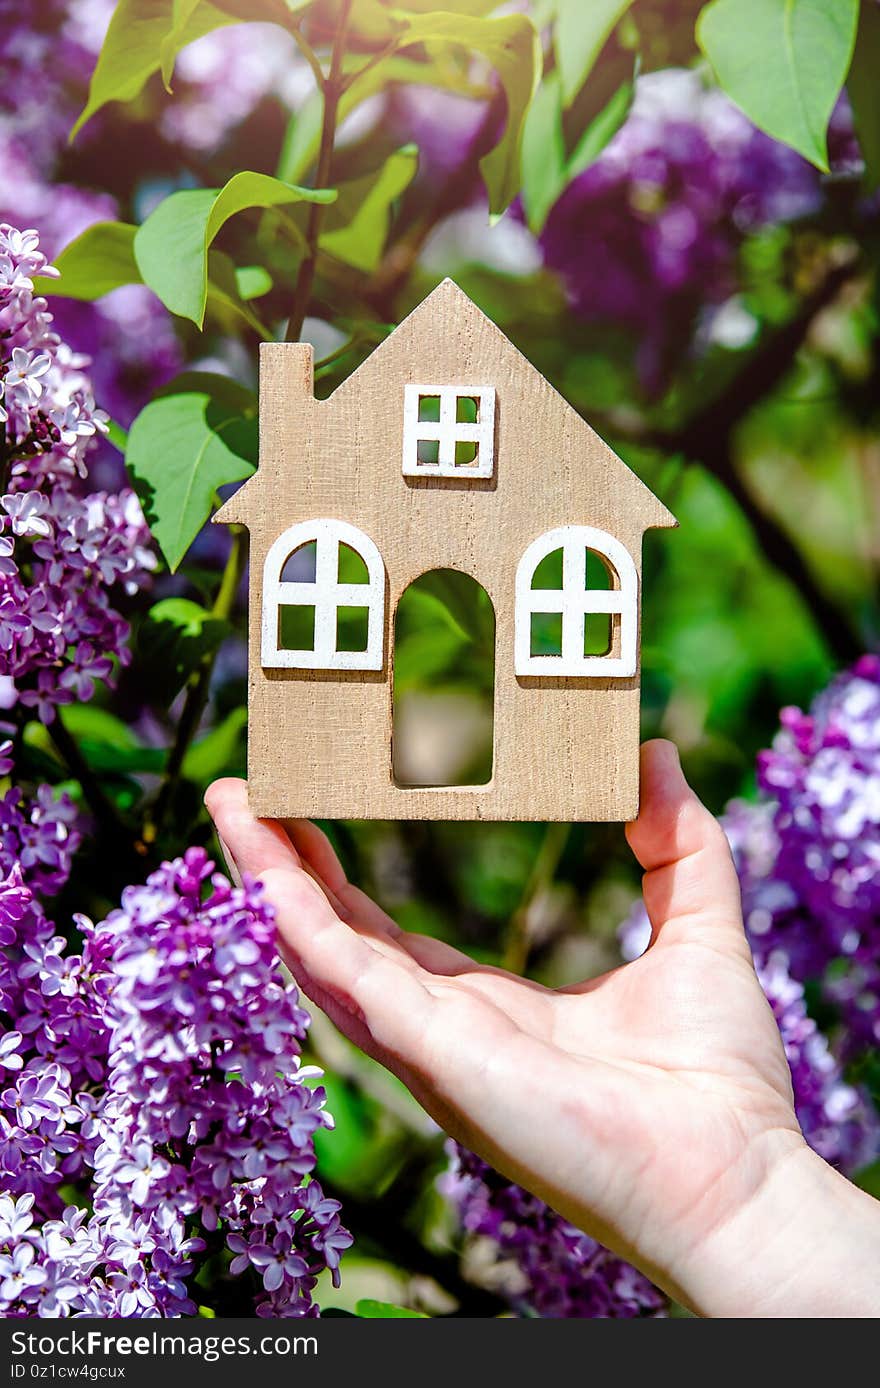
(447,432)
(574,600)
(326,594)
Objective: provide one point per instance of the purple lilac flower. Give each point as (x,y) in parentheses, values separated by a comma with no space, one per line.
(204,1069)
(809,867)
(649,234)
(823,774)
(63,551)
(40,835)
(177,1013)
(556,1270)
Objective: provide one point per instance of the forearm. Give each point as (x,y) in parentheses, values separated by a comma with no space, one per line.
(808,1245)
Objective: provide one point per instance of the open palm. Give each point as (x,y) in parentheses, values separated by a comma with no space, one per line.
(647,1106)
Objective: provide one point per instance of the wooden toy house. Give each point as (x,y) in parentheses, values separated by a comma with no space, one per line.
(446,449)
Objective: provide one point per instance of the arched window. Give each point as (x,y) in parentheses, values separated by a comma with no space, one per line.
(576,605)
(323,599)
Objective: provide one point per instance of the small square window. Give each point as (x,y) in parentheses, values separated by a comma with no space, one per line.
(449,431)
(546,633)
(352,628)
(296,627)
(429,451)
(597,633)
(465,453)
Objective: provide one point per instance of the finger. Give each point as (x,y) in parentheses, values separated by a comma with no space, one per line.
(690,886)
(370,978)
(254,844)
(319,857)
(315,848)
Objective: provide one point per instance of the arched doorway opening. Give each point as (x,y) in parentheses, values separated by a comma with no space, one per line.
(444,682)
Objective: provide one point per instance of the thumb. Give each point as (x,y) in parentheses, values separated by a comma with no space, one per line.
(690,885)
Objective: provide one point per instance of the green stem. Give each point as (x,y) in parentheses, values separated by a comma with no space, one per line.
(308,53)
(332,87)
(327,363)
(352,77)
(197,691)
(517,944)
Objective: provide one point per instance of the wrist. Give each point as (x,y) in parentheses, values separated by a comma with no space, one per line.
(805,1243)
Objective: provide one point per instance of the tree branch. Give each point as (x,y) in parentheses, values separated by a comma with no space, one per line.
(763,372)
(708,437)
(400,258)
(332,88)
(518,943)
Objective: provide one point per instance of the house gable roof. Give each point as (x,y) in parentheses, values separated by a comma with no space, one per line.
(448,304)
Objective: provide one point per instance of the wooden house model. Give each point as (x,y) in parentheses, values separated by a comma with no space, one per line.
(446,449)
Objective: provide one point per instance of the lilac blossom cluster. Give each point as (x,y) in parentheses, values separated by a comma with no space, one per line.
(808,858)
(62,551)
(156,1074)
(557,1271)
(819,902)
(648,236)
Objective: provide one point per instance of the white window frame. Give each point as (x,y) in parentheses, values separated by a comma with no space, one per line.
(326,594)
(574,600)
(447,432)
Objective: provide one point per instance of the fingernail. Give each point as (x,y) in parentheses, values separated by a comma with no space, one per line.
(231,865)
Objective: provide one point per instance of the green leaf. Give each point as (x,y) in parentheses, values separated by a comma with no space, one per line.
(601,130)
(543,153)
(279,11)
(100,259)
(252,282)
(366,206)
(171,248)
(369,1310)
(176,636)
(861,85)
(512,45)
(224,390)
(99,725)
(783,62)
(341,1151)
(108,744)
(579,36)
(181,448)
(133,48)
(182,12)
(219,752)
(223,300)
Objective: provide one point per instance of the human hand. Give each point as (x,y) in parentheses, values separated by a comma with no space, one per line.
(651,1107)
